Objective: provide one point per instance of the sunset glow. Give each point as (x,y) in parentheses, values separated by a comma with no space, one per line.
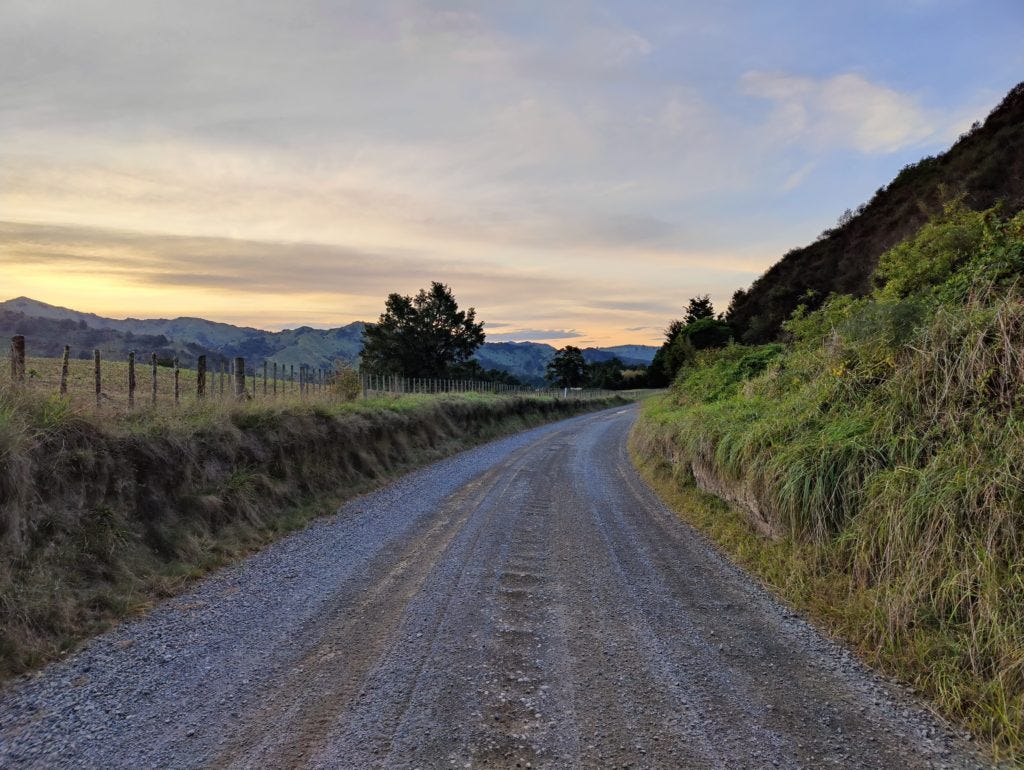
(573,174)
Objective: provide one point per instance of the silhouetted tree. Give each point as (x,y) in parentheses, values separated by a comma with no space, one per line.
(698,308)
(421,336)
(568,369)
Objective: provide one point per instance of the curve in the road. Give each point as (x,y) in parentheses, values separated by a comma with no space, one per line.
(528,603)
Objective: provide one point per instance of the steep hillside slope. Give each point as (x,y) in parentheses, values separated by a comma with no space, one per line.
(874,464)
(985,166)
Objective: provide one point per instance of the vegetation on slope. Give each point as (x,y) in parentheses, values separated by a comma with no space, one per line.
(883,448)
(985,166)
(100,515)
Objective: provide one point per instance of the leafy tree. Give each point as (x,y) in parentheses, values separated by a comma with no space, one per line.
(606,375)
(699,330)
(421,336)
(699,308)
(707,333)
(568,369)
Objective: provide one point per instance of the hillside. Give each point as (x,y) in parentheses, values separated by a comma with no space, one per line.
(985,166)
(49,328)
(873,465)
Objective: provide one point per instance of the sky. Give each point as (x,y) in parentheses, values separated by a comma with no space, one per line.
(573,170)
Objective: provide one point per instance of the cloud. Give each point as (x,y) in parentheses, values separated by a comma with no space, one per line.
(230,265)
(797,178)
(846,110)
(526,335)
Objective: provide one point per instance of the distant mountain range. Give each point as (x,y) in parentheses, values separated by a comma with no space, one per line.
(48,328)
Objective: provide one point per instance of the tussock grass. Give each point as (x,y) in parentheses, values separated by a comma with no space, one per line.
(102,514)
(884,447)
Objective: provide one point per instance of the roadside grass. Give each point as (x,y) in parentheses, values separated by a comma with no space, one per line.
(104,513)
(42,376)
(941,614)
(883,447)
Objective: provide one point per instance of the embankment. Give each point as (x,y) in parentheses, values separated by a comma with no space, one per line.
(100,517)
(874,462)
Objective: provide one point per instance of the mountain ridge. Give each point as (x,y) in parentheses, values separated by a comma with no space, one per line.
(50,327)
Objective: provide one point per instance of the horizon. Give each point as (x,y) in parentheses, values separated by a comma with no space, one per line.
(576,173)
(489,339)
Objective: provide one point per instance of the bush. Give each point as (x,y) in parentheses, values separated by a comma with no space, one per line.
(884,447)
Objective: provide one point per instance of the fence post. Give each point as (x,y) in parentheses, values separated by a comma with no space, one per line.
(153,361)
(131,380)
(96,365)
(177,382)
(291,379)
(254,382)
(64,371)
(17,360)
(201,377)
(239,376)
(264,377)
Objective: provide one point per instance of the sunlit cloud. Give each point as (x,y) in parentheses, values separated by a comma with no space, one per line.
(576,168)
(522,335)
(844,110)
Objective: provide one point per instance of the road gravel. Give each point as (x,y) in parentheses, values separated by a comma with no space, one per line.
(529,603)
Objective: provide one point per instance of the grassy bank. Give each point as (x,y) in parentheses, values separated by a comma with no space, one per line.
(874,463)
(101,515)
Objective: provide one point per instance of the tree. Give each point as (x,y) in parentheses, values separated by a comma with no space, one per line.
(699,330)
(698,308)
(606,375)
(708,333)
(568,369)
(421,336)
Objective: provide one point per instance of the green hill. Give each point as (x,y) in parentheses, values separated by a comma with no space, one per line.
(985,166)
(873,463)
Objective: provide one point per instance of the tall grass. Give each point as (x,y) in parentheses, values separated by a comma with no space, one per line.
(103,513)
(884,447)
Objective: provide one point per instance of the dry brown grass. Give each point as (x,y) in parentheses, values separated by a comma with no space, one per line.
(103,514)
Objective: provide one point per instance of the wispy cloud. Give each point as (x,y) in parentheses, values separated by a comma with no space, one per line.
(566,166)
(844,110)
(521,335)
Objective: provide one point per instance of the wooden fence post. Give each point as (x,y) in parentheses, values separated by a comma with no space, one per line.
(96,365)
(264,377)
(201,377)
(17,361)
(131,380)
(177,382)
(64,371)
(153,363)
(239,376)
(291,379)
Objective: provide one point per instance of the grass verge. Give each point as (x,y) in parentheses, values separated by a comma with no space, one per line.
(103,515)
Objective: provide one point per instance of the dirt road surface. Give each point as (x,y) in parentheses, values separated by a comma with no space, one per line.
(528,603)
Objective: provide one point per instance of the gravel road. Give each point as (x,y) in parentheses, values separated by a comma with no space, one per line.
(528,603)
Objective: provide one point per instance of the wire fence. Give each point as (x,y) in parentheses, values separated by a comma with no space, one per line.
(135,382)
